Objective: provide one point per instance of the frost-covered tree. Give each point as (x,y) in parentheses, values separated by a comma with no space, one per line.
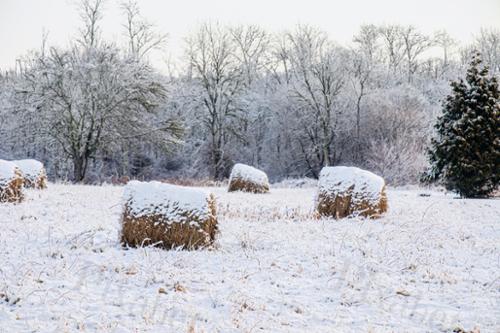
(415,43)
(92,97)
(251,46)
(316,66)
(87,99)
(396,126)
(465,155)
(6,116)
(140,33)
(362,64)
(446,43)
(487,42)
(288,103)
(218,76)
(394,45)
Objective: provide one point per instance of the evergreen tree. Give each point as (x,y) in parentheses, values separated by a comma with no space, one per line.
(465,155)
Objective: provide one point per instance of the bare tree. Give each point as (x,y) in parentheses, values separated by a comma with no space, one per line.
(488,44)
(443,39)
(396,131)
(90,14)
(93,98)
(289,103)
(90,96)
(368,42)
(251,45)
(219,75)
(394,45)
(279,64)
(415,44)
(363,60)
(317,81)
(140,33)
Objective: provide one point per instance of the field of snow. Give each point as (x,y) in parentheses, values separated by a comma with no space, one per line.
(431,264)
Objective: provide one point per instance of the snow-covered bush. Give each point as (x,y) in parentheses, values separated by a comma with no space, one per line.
(11,182)
(344,191)
(33,173)
(396,129)
(167,216)
(399,162)
(248,179)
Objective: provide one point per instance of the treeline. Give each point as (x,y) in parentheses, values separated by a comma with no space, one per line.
(287,103)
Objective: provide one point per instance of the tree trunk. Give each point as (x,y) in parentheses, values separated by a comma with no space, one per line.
(358,123)
(217,163)
(79,169)
(326,155)
(217,158)
(78,173)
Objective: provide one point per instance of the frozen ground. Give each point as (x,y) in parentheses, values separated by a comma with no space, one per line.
(432,264)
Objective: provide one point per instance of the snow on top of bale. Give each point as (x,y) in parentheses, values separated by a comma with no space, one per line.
(248,173)
(29,167)
(340,179)
(7,172)
(170,201)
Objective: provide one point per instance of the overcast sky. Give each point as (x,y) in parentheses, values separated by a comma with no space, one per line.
(22,21)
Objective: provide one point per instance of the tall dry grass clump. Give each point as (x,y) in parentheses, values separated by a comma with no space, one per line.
(350,191)
(11,182)
(34,173)
(168,216)
(248,179)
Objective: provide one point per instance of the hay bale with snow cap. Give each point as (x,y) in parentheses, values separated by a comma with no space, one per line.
(248,179)
(167,216)
(11,182)
(346,191)
(33,173)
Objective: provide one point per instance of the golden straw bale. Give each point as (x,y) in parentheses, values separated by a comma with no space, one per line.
(248,179)
(11,182)
(168,216)
(34,173)
(348,191)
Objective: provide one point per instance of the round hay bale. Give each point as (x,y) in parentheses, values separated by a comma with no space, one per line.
(346,191)
(167,216)
(11,182)
(33,173)
(248,179)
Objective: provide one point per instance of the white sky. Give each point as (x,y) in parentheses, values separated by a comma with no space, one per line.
(22,21)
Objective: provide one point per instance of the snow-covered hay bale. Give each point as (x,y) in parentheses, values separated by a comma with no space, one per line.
(33,173)
(345,191)
(248,179)
(167,216)
(11,182)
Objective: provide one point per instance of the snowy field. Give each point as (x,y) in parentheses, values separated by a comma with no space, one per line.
(431,264)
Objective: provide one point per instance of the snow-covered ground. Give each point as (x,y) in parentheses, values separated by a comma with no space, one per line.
(431,264)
